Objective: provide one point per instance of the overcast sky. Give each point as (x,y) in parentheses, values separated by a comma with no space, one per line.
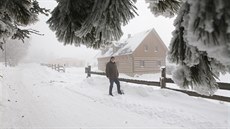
(47,46)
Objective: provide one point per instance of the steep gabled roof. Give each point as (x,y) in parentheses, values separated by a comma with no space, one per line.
(132,43)
(126,46)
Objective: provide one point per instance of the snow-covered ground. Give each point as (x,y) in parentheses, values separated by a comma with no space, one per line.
(34,96)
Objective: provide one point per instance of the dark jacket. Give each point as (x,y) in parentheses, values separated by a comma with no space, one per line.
(111,70)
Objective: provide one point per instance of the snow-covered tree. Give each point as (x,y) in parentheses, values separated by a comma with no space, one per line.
(15,14)
(167,8)
(93,23)
(200,43)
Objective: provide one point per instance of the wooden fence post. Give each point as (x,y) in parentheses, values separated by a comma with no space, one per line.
(58,68)
(53,67)
(64,68)
(163,77)
(89,70)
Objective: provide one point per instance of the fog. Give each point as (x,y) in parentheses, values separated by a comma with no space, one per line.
(45,48)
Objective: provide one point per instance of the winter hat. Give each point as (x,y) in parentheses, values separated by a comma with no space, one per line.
(112,57)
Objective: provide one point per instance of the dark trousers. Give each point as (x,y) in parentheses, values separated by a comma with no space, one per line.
(112,80)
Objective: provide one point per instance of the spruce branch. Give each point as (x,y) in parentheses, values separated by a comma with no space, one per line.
(107,16)
(90,22)
(179,48)
(37,9)
(167,8)
(21,34)
(196,66)
(18,10)
(1,46)
(16,13)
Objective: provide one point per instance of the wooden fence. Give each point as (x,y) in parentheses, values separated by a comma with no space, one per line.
(164,80)
(57,67)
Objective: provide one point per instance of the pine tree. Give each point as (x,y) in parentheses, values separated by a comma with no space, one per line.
(93,23)
(200,44)
(15,14)
(167,8)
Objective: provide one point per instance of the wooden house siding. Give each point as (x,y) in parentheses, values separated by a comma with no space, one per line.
(150,65)
(147,57)
(124,63)
(153,57)
(153,43)
(102,63)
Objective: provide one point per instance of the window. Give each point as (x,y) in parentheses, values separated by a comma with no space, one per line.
(156,49)
(146,48)
(142,63)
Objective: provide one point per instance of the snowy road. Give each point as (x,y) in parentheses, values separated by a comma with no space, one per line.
(34,96)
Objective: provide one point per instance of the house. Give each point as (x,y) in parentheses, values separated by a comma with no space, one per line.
(141,53)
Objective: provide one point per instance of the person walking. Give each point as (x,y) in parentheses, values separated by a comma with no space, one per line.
(112,74)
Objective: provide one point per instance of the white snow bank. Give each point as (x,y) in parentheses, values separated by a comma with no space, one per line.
(35,96)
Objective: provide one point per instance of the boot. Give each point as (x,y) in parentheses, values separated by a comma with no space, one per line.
(120,92)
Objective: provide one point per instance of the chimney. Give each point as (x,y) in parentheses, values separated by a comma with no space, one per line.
(129,35)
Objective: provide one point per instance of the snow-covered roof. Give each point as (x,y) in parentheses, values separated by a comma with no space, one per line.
(126,46)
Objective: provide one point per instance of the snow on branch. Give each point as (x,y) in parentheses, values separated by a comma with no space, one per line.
(167,8)
(16,13)
(201,44)
(93,23)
